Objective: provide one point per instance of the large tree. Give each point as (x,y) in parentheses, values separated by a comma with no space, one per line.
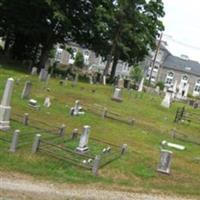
(126,30)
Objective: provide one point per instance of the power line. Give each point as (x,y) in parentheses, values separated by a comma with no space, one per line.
(169,37)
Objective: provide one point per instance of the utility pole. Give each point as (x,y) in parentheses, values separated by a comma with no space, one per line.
(155,56)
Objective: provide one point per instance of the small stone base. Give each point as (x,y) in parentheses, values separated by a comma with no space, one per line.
(117,99)
(81,150)
(4,125)
(164,171)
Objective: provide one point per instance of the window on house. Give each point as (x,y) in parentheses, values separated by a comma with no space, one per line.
(197,86)
(169,78)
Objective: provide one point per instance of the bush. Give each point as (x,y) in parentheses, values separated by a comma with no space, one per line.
(161,85)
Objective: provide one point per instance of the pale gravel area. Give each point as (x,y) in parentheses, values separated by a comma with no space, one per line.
(14,187)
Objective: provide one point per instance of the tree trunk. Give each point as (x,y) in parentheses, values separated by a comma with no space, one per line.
(44,55)
(114,67)
(7,45)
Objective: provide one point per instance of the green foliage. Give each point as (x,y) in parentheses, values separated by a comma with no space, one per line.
(136,74)
(161,85)
(79,60)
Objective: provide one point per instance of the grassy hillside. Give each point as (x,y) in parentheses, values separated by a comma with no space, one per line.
(134,171)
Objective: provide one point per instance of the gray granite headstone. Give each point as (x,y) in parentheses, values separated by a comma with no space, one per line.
(117,96)
(5,108)
(165,161)
(27,90)
(84,140)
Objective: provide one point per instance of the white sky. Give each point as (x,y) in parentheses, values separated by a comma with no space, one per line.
(182,27)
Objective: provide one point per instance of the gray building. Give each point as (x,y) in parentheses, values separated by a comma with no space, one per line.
(179,73)
(91,60)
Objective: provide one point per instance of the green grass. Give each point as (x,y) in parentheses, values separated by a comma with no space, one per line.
(137,169)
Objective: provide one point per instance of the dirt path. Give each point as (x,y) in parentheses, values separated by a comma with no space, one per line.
(19,187)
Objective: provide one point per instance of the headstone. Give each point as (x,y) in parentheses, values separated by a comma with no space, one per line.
(165,161)
(91,79)
(96,165)
(47,79)
(173,145)
(34,104)
(75,81)
(84,140)
(104,80)
(43,75)
(141,85)
(62,130)
(76,110)
(25,119)
(5,108)
(167,99)
(34,71)
(36,143)
(120,83)
(124,149)
(117,96)
(47,102)
(27,90)
(13,146)
(157,90)
(74,133)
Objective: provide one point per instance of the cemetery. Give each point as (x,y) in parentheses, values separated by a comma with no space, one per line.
(65,132)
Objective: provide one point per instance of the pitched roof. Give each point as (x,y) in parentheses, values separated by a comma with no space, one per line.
(179,64)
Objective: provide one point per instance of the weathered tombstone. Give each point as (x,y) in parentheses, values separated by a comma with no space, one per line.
(5,108)
(47,79)
(104,113)
(74,133)
(36,143)
(141,85)
(120,83)
(43,75)
(75,81)
(34,104)
(62,130)
(157,90)
(91,79)
(14,142)
(47,102)
(82,148)
(167,99)
(165,161)
(27,90)
(96,165)
(76,110)
(34,71)
(117,96)
(124,149)
(104,80)
(25,119)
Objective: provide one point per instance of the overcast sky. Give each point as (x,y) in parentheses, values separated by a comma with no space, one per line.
(182,27)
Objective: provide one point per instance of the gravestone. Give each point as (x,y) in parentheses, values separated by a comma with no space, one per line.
(34,71)
(47,102)
(120,83)
(165,161)
(157,90)
(77,109)
(43,75)
(27,90)
(47,79)
(82,148)
(5,108)
(167,99)
(141,85)
(117,95)
(34,104)
(104,80)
